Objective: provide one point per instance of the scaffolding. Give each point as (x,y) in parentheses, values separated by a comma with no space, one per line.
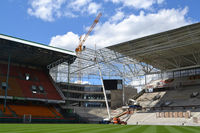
(138,61)
(113,66)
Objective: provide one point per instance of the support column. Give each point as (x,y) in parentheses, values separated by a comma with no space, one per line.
(6,89)
(145,79)
(68,81)
(123,86)
(57,73)
(68,74)
(161,75)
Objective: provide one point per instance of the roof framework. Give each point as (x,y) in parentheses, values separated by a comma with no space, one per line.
(155,54)
(113,66)
(174,49)
(31,53)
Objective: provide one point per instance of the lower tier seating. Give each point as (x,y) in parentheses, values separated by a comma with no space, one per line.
(177,97)
(34,111)
(55,112)
(7,111)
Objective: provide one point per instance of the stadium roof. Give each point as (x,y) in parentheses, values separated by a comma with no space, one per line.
(170,50)
(32,53)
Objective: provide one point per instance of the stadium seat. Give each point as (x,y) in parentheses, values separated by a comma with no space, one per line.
(34,111)
(55,111)
(19,86)
(7,111)
(13,87)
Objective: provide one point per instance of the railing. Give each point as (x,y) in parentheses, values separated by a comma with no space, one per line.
(57,88)
(139,94)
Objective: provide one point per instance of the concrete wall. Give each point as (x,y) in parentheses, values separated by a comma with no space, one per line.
(116,96)
(129,93)
(91,115)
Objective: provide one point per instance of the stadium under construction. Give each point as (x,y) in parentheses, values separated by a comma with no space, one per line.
(150,80)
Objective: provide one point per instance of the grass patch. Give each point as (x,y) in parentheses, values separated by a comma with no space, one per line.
(93,128)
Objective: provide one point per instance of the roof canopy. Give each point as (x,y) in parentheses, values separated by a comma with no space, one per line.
(170,50)
(31,53)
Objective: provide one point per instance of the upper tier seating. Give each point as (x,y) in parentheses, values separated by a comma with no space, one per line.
(22,81)
(13,87)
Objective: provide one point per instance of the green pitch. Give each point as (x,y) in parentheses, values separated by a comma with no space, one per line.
(93,128)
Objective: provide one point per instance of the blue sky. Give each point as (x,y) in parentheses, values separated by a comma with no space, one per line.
(60,22)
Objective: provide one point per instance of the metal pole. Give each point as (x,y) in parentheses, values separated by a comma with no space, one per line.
(57,73)
(68,80)
(123,86)
(104,91)
(68,75)
(145,78)
(6,89)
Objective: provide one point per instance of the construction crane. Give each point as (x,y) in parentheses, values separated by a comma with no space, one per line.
(80,47)
(81,42)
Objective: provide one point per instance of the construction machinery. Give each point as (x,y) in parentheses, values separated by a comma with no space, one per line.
(129,110)
(116,119)
(80,47)
(81,42)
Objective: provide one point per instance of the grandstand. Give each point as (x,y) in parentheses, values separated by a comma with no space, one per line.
(167,66)
(39,83)
(172,98)
(27,91)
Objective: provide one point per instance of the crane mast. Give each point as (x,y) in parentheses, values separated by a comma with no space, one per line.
(79,48)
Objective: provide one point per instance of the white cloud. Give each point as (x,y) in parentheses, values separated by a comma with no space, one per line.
(138,4)
(160,1)
(70,14)
(81,82)
(131,27)
(93,8)
(48,10)
(84,6)
(45,9)
(69,41)
(117,17)
(78,5)
(139,82)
